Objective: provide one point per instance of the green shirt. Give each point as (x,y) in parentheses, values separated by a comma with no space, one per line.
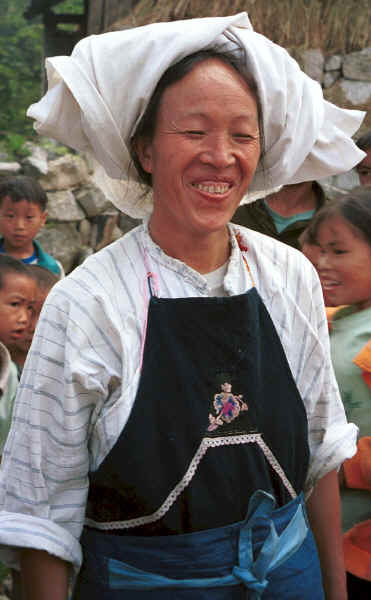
(350,332)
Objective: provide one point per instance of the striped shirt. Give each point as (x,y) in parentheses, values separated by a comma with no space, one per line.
(81,376)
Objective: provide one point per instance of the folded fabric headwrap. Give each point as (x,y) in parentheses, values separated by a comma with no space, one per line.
(98,95)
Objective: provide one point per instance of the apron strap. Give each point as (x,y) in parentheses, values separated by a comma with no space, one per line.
(253,575)
(153,288)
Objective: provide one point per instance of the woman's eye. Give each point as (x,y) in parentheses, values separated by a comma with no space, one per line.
(336,251)
(194,132)
(242,136)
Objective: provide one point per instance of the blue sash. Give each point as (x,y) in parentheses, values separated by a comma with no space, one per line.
(265,540)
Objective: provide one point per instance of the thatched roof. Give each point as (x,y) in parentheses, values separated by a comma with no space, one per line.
(333,25)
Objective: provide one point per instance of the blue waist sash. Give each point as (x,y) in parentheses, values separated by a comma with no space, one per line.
(253,566)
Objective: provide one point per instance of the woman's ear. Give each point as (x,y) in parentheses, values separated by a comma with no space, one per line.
(143,148)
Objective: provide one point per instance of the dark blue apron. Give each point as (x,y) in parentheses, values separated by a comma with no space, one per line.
(200,497)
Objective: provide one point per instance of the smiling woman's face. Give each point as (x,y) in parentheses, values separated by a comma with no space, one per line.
(204,152)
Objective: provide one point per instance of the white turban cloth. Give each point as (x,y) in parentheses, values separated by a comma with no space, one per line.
(97,96)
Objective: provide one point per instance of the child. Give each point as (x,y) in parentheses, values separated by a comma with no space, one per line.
(342,233)
(45,280)
(17,290)
(22,215)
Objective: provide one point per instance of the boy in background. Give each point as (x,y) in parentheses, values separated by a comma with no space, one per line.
(17,294)
(44,280)
(22,215)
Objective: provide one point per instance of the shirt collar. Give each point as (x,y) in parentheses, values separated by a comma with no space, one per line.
(237,279)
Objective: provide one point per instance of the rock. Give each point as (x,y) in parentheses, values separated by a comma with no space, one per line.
(102,230)
(92,200)
(116,233)
(330,78)
(357,92)
(9,168)
(63,241)
(331,192)
(84,228)
(37,163)
(66,172)
(340,184)
(62,206)
(346,93)
(311,61)
(84,252)
(333,63)
(357,65)
(126,223)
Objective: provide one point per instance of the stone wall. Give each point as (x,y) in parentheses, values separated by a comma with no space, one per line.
(80,218)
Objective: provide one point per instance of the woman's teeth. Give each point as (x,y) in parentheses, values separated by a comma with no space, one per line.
(214,188)
(328,285)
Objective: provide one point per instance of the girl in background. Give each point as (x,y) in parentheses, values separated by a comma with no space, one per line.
(338,243)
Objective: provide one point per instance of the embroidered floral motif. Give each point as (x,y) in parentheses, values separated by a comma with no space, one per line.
(227,407)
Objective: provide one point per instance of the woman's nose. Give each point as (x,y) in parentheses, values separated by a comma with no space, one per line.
(218,151)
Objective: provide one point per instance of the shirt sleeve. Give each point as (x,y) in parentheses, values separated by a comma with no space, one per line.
(72,375)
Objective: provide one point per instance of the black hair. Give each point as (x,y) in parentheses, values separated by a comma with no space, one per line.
(364,142)
(22,187)
(44,278)
(354,207)
(11,266)
(146,126)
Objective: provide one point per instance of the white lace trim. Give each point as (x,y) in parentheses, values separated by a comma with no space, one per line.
(276,467)
(186,480)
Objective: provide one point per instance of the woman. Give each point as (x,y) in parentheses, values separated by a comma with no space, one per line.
(133,347)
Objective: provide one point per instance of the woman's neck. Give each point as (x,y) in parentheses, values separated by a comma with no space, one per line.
(204,253)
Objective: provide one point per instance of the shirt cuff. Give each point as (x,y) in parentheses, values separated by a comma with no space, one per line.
(25,531)
(338,444)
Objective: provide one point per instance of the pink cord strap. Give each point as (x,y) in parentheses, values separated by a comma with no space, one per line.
(150,288)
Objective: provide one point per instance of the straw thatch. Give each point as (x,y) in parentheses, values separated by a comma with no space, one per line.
(332,25)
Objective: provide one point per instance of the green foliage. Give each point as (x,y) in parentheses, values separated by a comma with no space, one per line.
(4,572)
(21,55)
(14,144)
(75,7)
(53,147)
(20,67)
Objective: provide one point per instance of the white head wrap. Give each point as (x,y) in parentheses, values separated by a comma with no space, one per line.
(97,96)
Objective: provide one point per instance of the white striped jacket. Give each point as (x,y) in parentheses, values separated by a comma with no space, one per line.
(81,376)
